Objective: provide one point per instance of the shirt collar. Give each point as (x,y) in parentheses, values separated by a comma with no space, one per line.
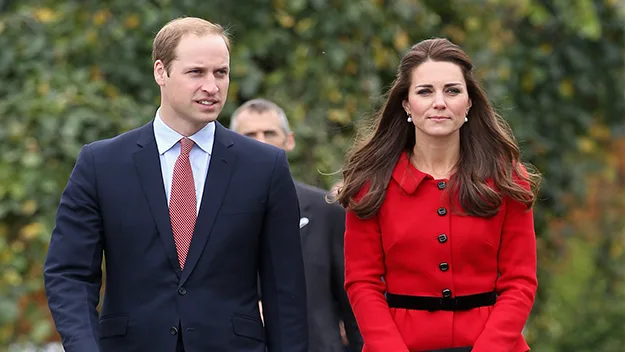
(166,137)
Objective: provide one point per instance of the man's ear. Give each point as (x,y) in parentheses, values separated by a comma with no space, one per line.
(160,73)
(290,142)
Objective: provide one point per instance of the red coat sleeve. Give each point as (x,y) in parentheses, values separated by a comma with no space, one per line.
(364,268)
(517,283)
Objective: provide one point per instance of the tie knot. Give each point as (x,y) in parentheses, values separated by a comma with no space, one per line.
(185,145)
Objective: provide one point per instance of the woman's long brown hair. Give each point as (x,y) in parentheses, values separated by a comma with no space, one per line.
(489,166)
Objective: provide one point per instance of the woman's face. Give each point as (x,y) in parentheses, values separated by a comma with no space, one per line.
(438,100)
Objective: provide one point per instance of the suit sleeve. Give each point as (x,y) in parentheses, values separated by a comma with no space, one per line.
(282,267)
(517,283)
(364,268)
(337,222)
(72,270)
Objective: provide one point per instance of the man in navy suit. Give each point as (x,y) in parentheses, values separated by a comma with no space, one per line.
(185,213)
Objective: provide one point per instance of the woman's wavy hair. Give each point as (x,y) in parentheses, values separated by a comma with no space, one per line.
(489,166)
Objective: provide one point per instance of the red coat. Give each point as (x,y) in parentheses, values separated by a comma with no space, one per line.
(404,244)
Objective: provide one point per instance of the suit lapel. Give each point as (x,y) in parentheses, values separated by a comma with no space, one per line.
(219,174)
(149,168)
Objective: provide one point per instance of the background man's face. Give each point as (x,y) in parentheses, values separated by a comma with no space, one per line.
(264,127)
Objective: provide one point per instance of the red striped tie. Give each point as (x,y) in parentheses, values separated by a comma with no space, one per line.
(182,201)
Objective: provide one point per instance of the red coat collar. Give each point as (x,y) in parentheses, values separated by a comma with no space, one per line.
(406,175)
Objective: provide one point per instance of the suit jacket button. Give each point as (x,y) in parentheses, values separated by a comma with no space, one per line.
(441,211)
(442,238)
(173,330)
(446,293)
(443,266)
(182,291)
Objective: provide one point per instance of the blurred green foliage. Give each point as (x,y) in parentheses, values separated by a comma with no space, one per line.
(75,71)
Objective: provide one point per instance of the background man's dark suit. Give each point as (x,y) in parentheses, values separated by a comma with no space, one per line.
(247,223)
(322,226)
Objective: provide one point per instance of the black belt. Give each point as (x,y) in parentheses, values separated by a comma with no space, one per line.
(436,303)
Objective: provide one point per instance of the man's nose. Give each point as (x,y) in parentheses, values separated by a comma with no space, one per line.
(210,85)
(260,136)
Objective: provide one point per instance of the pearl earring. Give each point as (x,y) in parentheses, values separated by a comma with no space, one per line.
(466,118)
(409,118)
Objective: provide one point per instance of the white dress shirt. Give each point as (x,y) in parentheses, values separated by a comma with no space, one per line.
(168,149)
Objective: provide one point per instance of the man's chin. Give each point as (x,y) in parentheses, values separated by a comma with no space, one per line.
(207,117)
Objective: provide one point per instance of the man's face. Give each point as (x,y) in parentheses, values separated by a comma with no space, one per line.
(196,87)
(264,127)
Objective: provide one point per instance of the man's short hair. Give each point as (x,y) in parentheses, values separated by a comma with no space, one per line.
(167,39)
(261,106)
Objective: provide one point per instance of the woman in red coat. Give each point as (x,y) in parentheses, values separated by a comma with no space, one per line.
(440,250)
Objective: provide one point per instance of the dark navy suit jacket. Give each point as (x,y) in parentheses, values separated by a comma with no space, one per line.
(248,223)
(322,226)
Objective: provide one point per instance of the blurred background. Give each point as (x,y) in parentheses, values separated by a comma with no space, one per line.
(73,71)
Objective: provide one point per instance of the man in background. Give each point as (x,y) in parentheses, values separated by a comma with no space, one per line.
(321,228)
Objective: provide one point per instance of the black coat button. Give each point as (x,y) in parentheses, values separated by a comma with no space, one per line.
(173,330)
(182,291)
(446,293)
(442,238)
(442,211)
(443,266)
(441,185)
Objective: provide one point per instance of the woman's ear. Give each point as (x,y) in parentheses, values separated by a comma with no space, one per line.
(406,106)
